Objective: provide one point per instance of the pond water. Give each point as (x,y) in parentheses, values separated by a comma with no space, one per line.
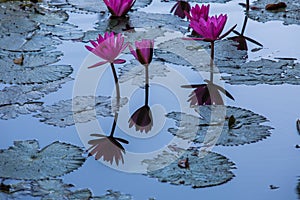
(259,167)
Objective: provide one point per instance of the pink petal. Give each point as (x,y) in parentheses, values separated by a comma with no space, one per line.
(98,64)
(119,61)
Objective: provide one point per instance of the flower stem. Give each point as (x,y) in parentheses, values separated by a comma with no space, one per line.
(247,5)
(146,84)
(212,52)
(244,25)
(117,98)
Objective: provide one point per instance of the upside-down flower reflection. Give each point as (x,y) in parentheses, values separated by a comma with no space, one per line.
(143,52)
(108,147)
(180,8)
(142,119)
(119,8)
(207,94)
(108,48)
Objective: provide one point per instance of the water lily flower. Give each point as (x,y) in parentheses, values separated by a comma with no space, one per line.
(142,119)
(207,94)
(210,29)
(198,12)
(119,8)
(108,48)
(180,8)
(143,52)
(108,147)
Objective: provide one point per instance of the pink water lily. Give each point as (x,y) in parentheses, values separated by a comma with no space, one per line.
(119,8)
(108,48)
(210,29)
(143,52)
(198,12)
(180,8)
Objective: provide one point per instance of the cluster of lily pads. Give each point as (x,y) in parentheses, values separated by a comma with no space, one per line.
(28,53)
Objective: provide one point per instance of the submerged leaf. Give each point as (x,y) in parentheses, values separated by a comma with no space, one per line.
(26,161)
(289,15)
(62,113)
(210,170)
(248,126)
(36,68)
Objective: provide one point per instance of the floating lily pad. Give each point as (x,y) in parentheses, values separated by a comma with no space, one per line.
(11,111)
(248,126)
(99,6)
(114,195)
(136,20)
(26,161)
(22,99)
(205,1)
(65,31)
(35,68)
(196,54)
(210,170)
(62,114)
(289,15)
(9,24)
(264,71)
(17,10)
(32,41)
(56,189)
(135,72)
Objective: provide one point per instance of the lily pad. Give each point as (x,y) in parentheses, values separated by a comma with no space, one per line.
(62,114)
(205,1)
(35,68)
(289,15)
(26,161)
(248,127)
(196,54)
(18,10)
(209,170)
(264,71)
(136,20)
(56,189)
(8,24)
(64,31)
(11,111)
(100,7)
(135,72)
(114,195)
(32,42)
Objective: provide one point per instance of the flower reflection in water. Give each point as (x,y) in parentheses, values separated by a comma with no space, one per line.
(207,94)
(241,39)
(142,117)
(180,8)
(108,147)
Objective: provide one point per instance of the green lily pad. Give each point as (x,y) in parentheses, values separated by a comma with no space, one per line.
(62,114)
(248,126)
(32,42)
(196,54)
(64,31)
(289,15)
(56,189)
(209,170)
(136,20)
(35,68)
(114,195)
(22,99)
(135,72)
(8,24)
(264,71)
(99,6)
(26,161)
